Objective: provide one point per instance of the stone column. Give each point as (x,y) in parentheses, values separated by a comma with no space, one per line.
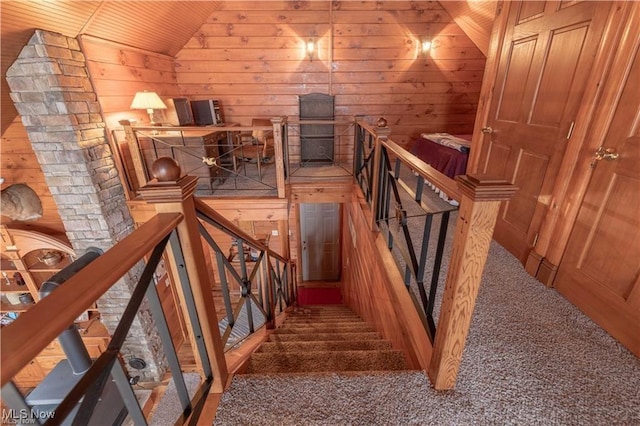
(52,92)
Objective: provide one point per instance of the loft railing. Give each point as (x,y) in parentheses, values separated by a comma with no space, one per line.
(392,182)
(304,152)
(81,287)
(265,278)
(226,159)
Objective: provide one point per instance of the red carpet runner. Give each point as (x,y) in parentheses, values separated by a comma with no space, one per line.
(319,296)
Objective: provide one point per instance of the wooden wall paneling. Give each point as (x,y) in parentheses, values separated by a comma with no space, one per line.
(147,24)
(141,24)
(18,164)
(429,65)
(373,287)
(321,192)
(118,72)
(389,46)
(238,209)
(249,56)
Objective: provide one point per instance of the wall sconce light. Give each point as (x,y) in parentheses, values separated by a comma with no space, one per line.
(149,101)
(426,46)
(311,47)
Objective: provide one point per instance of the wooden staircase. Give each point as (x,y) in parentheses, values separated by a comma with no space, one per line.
(324,338)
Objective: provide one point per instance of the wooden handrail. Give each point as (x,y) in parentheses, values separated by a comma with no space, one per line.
(233,230)
(480,198)
(440,180)
(34,329)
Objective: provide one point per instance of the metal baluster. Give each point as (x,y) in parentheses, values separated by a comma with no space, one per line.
(167,343)
(12,398)
(437,263)
(128,396)
(190,302)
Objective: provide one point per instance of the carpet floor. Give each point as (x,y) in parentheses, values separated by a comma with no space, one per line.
(531,358)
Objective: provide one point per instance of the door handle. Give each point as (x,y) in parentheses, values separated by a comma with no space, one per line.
(487,130)
(602,153)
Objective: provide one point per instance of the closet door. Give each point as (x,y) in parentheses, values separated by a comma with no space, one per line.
(600,271)
(546,58)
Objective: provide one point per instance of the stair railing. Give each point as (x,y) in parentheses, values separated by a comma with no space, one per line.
(383,171)
(400,205)
(81,286)
(268,271)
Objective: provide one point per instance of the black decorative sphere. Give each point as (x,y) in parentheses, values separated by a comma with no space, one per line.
(382,122)
(165,169)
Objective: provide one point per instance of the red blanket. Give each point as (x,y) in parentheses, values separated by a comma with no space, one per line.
(449,161)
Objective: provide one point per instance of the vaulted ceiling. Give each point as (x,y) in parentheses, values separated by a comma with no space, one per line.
(156,26)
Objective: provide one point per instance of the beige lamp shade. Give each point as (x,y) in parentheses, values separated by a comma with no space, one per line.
(149,101)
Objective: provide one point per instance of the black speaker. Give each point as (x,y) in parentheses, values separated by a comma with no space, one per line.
(206,112)
(183,111)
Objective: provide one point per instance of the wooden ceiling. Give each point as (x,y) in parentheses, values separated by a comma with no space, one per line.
(475,17)
(156,26)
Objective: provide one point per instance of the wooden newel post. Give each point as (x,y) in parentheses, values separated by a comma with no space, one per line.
(278,147)
(134,151)
(477,216)
(381,133)
(171,193)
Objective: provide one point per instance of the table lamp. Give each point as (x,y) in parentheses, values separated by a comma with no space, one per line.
(149,101)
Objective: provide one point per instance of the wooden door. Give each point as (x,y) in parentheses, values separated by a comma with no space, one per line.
(320,233)
(600,271)
(545,60)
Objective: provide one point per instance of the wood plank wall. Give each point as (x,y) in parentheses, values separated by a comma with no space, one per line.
(19,164)
(117,73)
(367,285)
(250,56)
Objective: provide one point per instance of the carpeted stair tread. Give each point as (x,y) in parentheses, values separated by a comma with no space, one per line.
(292,362)
(324,315)
(329,312)
(325,345)
(288,323)
(322,336)
(325,328)
(303,318)
(324,339)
